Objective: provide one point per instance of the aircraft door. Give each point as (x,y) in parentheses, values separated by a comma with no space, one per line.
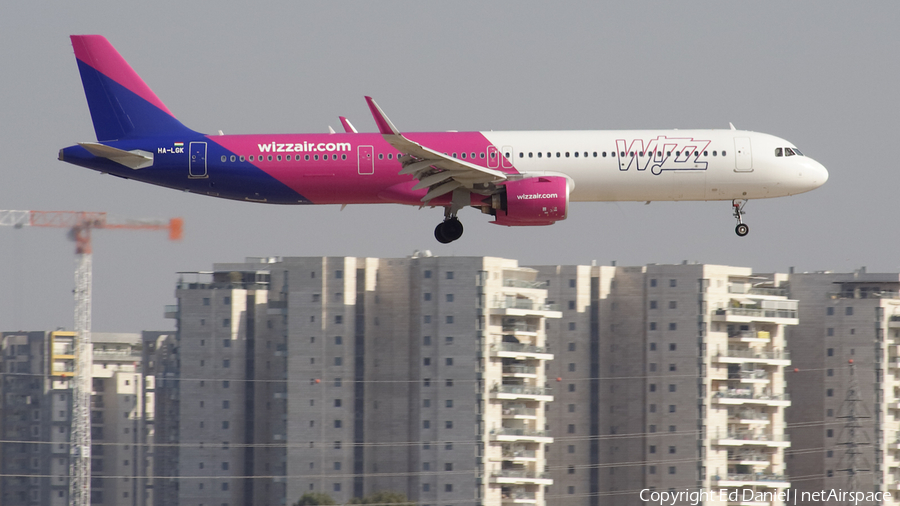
(743,158)
(493,155)
(197,162)
(507,157)
(366,160)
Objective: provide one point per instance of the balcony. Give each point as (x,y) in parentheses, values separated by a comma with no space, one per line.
(752,480)
(748,336)
(510,392)
(509,477)
(734,396)
(739,356)
(520,351)
(748,315)
(742,289)
(751,439)
(749,458)
(117,355)
(894,321)
(525,307)
(519,497)
(520,455)
(506,434)
(519,413)
(519,328)
(753,376)
(521,283)
(520,371)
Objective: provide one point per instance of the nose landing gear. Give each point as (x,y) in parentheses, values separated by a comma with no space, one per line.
(738,205)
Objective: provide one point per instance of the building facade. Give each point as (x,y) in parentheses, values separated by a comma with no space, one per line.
(35,419)
(847,338)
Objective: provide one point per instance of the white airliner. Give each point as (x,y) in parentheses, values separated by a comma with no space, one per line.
(519,178)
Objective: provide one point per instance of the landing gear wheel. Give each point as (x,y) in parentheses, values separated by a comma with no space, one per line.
(448,231)
(737,206)
(741,230)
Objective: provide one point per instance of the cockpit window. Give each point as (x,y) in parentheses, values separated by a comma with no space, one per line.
(788,152)
(797,151)
(778,152)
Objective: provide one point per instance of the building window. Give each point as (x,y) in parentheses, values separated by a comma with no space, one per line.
(226,322)
(571,387)
(829,392)
(426,361)
(653,283)
(337,403)
(449,297)
(830,331)
(652,408)
(448,383)
(651,470)
(427,296)
(426,274)
(671,387)
(672,367)
(571,305)
(449,274)
(337,466)
(338,424)
(652,346)
(426,318)
(829,433)
(336,487)
(571,346)
(829,311)
(652,304)
(226,301)
(671,408)
(338,319)
(830,352)
(652,325)
(338,361)
(225,424)
(448,403)
(226,404)
(571,325)
(848,311)
(672,468)
(673,428)
(338,340)
(672,346)
(572,367)
(448,361)
(673,283)
(651,429)
(448,424)
(226,363)
(571,449)
(673,304)
(448,488)
(652,387)
(449,319)
(205,301)
(570,429)
(652,449)
(673,326)
(339,274)
(426,341)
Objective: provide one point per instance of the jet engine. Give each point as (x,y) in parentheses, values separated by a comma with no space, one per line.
(533,201)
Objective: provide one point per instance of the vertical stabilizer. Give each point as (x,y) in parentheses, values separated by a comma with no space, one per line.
(122,105)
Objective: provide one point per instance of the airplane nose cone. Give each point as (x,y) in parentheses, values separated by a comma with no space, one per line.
(812,174)
(818,174)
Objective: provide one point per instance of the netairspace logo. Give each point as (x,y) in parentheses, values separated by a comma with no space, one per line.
(785,496)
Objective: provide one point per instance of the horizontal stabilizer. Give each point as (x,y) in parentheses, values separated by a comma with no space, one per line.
(135,159)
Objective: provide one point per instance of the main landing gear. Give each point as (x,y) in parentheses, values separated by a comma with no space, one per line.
(738,205)
(448,230)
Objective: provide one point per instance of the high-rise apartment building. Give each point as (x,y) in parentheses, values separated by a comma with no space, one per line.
(671,379)
(421,375)
(35,419)
(846,440)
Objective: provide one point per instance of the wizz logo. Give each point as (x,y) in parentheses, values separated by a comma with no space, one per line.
(662,153)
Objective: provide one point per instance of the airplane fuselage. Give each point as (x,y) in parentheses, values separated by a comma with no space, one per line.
(342,168)
(519,178)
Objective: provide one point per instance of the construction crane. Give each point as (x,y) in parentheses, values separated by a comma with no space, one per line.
(80,225)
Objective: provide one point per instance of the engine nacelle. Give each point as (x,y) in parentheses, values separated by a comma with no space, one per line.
(534,201)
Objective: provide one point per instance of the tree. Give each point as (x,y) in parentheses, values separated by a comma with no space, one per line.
(314,498)
(383,498)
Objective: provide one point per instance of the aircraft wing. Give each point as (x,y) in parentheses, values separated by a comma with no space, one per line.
(434,170)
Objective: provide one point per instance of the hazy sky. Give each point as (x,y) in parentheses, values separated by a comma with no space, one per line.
(823,75)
